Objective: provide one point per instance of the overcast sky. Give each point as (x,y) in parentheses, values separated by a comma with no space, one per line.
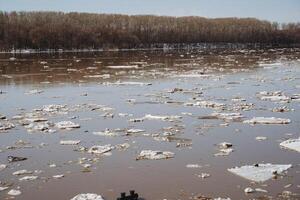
(272,10)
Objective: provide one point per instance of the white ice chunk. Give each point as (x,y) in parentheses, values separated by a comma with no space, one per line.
(106,132)
(28,178)
(14,192)
(59,176)
(228,116)
(293,144)
(101,149)
(22,172)
(123,67)
(34,92)
(2,167)
(162,117)
(87,196)
(3,188)
(259,172)
(267,120)
(193,166)
(67,125)
(69,142)
(135,130)
(154,155)
(128,83)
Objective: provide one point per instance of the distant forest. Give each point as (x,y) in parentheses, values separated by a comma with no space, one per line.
(58,30)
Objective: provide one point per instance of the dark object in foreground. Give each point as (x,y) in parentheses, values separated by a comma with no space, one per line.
(132,196)
(15,159)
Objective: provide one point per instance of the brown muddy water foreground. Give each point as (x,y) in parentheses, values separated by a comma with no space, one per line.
(164,101)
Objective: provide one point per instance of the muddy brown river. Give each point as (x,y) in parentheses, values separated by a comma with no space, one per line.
(83,120)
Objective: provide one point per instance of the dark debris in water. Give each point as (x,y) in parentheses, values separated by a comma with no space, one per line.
(15,159)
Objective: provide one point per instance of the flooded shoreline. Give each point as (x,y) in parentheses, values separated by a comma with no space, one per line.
(82,121)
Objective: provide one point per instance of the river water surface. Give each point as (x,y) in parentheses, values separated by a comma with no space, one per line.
(112,90)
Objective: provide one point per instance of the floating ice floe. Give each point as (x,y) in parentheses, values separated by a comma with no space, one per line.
(259,172)
(101,149)
(123,146)
(69,142)
(2,167)
(133,131)
(293,144)
(2,116)
(14,192)
(54,108)
(123,67)
(267,120)
(34,92)
(224,152)
(67,125)
(276,96)
(42,126)
(201,197)
(72,70)
(125,115)
(228,116)
(22,172)
(104,76)
(88,196)
(52,165)
(3,188)
(192,76)
(36,119)
(128,83)
(251,190)
(43,62)
(206,104)
(270,65)
(6,126)
(162,117)
(224,145)
(28,178)
(59,176)
(136,120)
(93,68)
(203,175)
(154,155)
(193,166)
(224,116)
(282,109)
(260,138)
(107,132)
(224,149)
(12,59)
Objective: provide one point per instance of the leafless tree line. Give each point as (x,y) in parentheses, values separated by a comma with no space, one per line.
(58,30)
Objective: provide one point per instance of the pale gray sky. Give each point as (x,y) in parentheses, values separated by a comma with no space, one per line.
(272,10)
